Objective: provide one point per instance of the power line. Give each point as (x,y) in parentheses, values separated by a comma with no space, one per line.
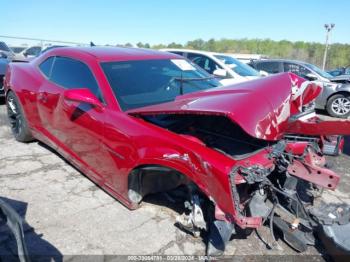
(42,40)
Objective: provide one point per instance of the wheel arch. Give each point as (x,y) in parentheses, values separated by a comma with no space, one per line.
(341,92)
(150,178)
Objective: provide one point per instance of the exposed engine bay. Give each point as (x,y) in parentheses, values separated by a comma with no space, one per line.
(276,184)
(216,132)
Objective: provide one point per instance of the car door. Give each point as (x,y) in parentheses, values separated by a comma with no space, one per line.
(76,128)
(297,69)
(48,97)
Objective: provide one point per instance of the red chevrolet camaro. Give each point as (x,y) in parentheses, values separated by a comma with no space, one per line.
(139,122)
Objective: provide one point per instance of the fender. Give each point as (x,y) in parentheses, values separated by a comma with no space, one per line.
(210,178)
(316,127)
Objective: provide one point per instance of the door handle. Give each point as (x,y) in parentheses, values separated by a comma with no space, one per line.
(42,97)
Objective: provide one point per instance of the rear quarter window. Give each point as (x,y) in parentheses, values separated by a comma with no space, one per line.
(46,66)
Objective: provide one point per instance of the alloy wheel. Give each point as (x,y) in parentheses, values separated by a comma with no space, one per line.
(341,106)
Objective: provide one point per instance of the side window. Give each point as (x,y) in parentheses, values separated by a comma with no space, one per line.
(177,53)
(296,69)
(204,62)
(71,73)
(33,51)
(270,67)
(45,67)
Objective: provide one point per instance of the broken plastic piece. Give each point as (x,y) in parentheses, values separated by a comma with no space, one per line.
(219,235)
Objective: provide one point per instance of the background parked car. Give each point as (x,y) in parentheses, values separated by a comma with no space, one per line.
(51,47)
(229,69)
(247,58)
(18,49)
(340,71)
(6,51)
(5,55)
(335,97)
(27,54)
(3,65)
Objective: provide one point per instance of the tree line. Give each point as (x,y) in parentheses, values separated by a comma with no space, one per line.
(338,54)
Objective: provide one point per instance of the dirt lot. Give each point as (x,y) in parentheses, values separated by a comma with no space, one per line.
(67,214)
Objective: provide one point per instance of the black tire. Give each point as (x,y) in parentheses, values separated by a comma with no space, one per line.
(339,106)
(18,122)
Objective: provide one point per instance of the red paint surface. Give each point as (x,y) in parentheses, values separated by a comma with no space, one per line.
(107,144)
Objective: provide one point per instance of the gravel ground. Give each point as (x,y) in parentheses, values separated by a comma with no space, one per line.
(68,215)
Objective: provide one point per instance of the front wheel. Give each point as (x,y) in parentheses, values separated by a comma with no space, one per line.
(339,106)
(18,123)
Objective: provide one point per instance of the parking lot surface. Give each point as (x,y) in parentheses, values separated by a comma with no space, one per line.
(67,214)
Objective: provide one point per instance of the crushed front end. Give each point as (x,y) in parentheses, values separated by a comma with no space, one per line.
(281,188)
(254,166)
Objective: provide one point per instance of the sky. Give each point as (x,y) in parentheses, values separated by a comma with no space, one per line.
(156,21)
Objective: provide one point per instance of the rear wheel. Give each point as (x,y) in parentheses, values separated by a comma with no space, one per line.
(18,123)
(339,106)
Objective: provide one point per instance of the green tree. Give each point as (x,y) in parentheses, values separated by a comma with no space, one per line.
(338,55)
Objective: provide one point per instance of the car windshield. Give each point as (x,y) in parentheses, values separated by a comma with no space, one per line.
(148,82)
(319,71)
(237,66)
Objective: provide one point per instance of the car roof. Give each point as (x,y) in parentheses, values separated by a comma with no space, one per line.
(109,54)
(279,60)
(190,51)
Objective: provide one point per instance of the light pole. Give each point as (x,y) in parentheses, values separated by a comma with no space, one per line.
(328,28)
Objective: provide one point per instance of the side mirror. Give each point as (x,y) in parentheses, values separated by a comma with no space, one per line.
(263,73)
(83,95)
(220,72)
(311,76)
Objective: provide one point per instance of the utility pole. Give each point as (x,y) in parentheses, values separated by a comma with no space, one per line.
(328,28)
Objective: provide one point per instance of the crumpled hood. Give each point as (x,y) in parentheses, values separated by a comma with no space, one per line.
(261,107)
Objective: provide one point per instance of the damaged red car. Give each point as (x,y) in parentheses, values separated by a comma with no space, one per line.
(138,122)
